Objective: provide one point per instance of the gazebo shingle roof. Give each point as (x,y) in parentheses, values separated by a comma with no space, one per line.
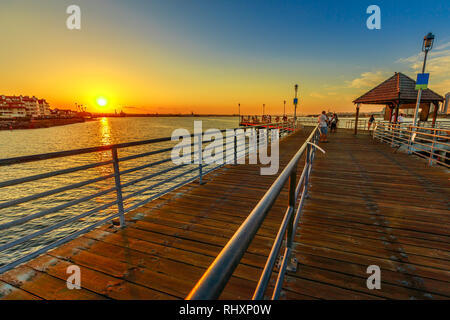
(397,89)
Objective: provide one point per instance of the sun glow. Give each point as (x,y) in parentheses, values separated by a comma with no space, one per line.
(102,101)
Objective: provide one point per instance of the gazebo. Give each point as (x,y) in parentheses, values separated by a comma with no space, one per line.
(398,92)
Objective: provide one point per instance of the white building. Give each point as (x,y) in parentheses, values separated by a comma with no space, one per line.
(10,109)
(44,107)
(34,107)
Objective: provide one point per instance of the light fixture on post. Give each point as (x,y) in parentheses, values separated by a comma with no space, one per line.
(427,45)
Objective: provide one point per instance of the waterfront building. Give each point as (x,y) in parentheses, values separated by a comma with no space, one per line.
(32,106)
(14,106)
(64,113)
(10,109)
(44,107)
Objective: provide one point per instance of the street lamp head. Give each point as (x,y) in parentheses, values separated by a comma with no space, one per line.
(428,42)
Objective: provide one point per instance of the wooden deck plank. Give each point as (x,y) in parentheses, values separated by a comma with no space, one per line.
(367,205)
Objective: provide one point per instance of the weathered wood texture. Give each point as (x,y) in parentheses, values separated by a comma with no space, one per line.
(367,206)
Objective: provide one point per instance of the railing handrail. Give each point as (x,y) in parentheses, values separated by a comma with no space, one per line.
(73,152)
(219,272)
(419,140)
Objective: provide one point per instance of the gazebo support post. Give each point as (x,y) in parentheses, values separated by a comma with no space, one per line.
(396,113)
(436,108)
(391,109)
(356,118)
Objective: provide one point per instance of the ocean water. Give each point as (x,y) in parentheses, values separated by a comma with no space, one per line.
(103,131)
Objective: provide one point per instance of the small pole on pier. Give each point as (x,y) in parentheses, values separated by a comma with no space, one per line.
(356,118)
(284,108)
(295,106)
(118,186)
(239,111)
(235,146)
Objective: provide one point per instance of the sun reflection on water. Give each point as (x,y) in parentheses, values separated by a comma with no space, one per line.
(105,131)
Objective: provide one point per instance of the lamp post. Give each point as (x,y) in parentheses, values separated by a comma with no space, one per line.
(284,108)
(264,106)
(295,105)
(239,113)
(426,46)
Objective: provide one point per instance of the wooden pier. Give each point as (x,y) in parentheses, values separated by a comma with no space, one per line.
(368,205)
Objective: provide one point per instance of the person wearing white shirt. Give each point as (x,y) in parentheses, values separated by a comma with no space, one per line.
(323,126)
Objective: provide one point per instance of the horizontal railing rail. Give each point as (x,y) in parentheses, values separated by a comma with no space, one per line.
(164,179)
(429,143)
(214,280)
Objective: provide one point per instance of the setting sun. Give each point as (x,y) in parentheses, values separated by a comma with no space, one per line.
(102,101)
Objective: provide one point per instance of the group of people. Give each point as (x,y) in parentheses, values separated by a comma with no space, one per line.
(326,122)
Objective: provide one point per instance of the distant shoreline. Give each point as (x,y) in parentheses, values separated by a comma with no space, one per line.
(37,124)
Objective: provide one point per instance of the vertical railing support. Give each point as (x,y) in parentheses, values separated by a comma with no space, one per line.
(308,167)
(200,158)
(288,262)
(432,148)
(235,146)
(115,159)
(292,202)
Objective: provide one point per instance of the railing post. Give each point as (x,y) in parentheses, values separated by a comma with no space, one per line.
(115,159)
(308,167)
(432,147)
(292,202)
(235,146)
(200,158)
(410,140)
(392,135)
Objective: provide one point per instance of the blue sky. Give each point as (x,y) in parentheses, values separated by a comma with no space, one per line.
(205,55)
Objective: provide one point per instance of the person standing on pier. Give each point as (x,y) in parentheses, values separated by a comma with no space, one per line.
(334,122)
(323,126)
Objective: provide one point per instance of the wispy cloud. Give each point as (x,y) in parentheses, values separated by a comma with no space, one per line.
(316,95)
(368,79)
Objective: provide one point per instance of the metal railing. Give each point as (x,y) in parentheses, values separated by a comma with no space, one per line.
(165,183)
(255,119)
(213,281)
(428,143)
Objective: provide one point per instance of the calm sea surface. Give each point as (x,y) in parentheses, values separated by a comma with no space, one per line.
(99,132)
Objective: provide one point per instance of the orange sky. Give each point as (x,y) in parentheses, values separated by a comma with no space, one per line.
(158,62)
